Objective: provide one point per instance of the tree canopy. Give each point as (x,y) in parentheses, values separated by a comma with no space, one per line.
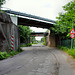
(25,32)
(65,20)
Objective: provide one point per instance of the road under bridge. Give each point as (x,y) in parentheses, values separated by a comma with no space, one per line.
(9,27)
(35,21)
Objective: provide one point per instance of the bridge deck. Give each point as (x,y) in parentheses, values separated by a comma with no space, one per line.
(32,20)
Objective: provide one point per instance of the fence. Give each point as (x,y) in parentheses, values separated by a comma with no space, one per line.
(67,43)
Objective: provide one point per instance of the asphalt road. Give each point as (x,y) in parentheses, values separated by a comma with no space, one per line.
(38,60)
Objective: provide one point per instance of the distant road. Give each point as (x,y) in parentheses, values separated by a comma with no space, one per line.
(38,45)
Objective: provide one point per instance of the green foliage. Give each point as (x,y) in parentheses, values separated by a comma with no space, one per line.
(35,43)
(43,40)
(2,2)
(22,45)
(65,20)
(27,45)
(19,49)
(43,43)
(72,53)
(32,39)
(30,44)
(24,33)
(4,55)
(12,53)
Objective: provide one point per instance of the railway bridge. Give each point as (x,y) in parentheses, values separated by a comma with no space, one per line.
(19,18)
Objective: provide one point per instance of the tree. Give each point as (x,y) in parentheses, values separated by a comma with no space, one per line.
(32,39)
(2,2)
(25,32)
(42,40)
(65,20)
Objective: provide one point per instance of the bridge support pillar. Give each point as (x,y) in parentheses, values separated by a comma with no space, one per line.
(51,40)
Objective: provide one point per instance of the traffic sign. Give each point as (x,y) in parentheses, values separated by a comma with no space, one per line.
(72,31)
(72,35)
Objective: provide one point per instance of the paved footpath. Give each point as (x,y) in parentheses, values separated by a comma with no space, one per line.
(38,60)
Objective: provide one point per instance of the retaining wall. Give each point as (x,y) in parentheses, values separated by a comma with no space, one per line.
(7,28)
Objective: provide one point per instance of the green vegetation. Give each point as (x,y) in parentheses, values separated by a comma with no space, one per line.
(32,39)
(65,20)
(27,45)
(2,2)
(4,55)
(64,26)
(35,42)
(67,50)
(24,33)
(43,40)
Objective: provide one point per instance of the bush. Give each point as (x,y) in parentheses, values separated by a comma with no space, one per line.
(27,45)
(72,53)
(43,43)
(12,53)
(3,55)
(44,40)
(19,49)
(22,45)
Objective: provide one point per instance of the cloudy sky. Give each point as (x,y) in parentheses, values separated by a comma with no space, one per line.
(43,8)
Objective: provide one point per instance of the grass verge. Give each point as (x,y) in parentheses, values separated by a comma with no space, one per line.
(67,50)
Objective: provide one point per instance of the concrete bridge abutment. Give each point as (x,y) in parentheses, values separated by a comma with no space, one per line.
(50,40)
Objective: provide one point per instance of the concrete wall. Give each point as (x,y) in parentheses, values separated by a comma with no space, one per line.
(51,40)
(14,19)
(7,28)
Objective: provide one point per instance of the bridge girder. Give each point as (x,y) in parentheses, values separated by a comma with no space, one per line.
(32,20)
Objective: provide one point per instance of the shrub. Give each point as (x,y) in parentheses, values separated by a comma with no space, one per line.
(19,49)
(3,55)
(43,43)
(44,40)
(12,53)
(27,45)
(22,45)
(72,53)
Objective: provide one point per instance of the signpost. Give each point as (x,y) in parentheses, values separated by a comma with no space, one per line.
(72,32)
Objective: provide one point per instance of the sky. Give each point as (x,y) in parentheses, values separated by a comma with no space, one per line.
(43,8)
